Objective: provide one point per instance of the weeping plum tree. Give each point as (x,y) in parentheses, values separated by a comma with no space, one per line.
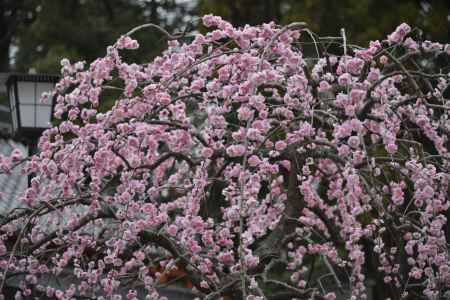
(258,162)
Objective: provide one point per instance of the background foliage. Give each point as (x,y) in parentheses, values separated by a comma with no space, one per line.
(39,33)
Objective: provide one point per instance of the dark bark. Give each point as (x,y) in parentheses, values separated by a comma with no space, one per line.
(4,57)
(13,13)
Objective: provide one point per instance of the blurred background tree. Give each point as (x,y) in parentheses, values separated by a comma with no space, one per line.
(363,20)
(81,29)
(14,14)
(38,33)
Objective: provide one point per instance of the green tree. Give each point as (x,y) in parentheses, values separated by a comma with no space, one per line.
(35,27)
(241,12)
(363,20)
(371,19)
(80,29)
(14,14)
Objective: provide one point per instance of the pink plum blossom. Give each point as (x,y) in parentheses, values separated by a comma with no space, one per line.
(235,157)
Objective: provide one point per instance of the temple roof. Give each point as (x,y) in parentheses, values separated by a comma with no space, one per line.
(14,183)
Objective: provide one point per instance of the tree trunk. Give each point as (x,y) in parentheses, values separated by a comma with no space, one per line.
(4,57)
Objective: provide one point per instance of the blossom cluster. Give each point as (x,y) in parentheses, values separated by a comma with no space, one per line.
(233,154)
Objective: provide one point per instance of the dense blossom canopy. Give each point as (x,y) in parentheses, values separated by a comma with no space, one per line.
(258,168)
